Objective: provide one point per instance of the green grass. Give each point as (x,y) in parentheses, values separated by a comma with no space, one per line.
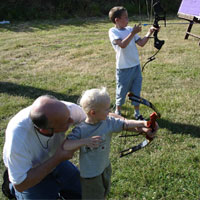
(65,57)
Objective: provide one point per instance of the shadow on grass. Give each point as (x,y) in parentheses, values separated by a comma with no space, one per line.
(32,92)
(180,128)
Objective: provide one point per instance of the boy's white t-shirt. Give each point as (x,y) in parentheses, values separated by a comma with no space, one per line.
(23,149)
(125,57)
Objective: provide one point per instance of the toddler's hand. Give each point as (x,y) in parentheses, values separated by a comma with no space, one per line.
(151,134)
(93,142)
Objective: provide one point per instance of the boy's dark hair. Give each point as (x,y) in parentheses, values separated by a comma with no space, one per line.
(116,12)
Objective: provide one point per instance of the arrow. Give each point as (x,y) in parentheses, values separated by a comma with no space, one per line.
(171,23)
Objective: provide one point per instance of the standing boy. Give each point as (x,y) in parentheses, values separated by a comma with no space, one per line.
(128,73)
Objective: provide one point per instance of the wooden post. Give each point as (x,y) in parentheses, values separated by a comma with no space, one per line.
(188,30)
(189,10)
(191,20)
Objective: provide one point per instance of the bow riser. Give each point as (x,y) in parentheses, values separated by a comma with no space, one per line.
(157,43)
(157,11)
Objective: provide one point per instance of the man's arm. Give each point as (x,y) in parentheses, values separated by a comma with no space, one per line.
(37,174)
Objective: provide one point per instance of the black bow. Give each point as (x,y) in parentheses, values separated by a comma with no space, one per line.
(150,124)
(159,14)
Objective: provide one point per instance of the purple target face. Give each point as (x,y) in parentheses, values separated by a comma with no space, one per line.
(190,7)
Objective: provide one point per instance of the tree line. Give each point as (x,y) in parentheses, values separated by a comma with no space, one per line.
(57,9)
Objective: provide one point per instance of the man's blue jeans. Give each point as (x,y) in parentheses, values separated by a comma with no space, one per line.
(64,182)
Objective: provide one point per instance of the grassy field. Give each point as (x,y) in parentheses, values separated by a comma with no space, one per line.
(66,57)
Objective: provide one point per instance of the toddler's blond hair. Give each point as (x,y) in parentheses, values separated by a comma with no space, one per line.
(93,99)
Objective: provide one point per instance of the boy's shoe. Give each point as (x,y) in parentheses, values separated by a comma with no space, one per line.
(118,112)
(5,186)
(140,117)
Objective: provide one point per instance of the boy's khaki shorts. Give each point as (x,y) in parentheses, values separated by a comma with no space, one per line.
(97,187)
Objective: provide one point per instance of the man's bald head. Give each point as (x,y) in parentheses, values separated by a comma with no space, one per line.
(47,111)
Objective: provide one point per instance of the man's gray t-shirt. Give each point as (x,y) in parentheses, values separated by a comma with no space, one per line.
(94,161)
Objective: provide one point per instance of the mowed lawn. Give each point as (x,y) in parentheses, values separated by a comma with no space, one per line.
(65,57)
